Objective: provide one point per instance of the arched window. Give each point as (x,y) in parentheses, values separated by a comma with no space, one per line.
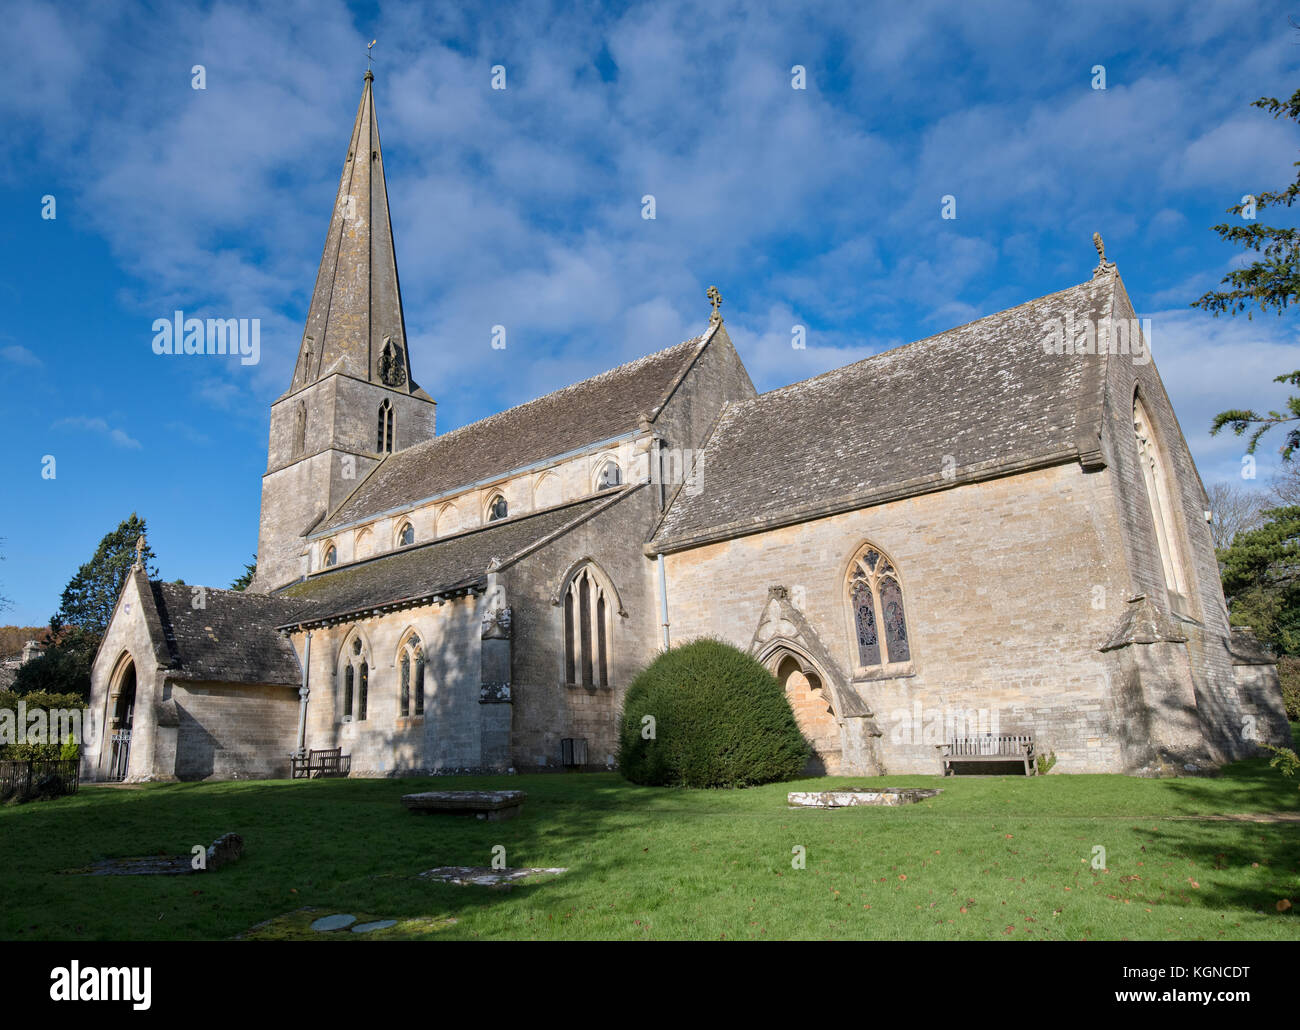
(875,598)
(331,556)
(406,535)
(356,680)
(497,508)
(411,676)
(588,622)
(1160,497)
(385,444)
(610,475)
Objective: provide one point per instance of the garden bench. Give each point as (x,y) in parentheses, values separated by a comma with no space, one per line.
(1016,747)
(482,804)
(319,762)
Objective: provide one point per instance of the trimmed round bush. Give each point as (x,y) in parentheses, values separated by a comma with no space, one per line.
(720,720)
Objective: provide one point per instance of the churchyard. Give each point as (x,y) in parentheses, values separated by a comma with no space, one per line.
(1045,858)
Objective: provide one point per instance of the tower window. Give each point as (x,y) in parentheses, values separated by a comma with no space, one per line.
(385,438)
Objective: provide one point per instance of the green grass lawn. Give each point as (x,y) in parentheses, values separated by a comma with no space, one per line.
(995,857)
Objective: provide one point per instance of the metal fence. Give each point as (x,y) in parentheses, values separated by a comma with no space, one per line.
(39,778)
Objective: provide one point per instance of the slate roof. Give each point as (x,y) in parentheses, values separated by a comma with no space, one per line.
(439,567)
(232,639)
(577,416)
(986,393)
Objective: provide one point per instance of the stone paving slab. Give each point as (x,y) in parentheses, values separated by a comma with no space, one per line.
(854,797)
(485,804)
(484,876)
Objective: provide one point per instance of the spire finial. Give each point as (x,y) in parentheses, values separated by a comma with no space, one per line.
(139,552)
(1103,266)
(715,298)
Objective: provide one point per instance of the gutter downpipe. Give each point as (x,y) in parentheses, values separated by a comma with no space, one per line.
(303,693)
(663,597)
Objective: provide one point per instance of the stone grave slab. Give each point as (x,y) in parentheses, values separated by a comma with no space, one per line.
(495,805)
(854,797)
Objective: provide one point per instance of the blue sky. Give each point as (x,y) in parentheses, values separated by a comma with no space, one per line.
(522,207)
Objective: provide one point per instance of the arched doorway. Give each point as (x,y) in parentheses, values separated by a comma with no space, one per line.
(810,699)
(121,708)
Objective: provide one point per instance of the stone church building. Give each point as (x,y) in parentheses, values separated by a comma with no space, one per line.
(999,528)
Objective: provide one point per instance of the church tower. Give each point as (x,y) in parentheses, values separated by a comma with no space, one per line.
(352,399)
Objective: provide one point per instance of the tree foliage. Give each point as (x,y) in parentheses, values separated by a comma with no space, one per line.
(246,577)
(1261,579)
(91,594)
(719,719)
(1270,283)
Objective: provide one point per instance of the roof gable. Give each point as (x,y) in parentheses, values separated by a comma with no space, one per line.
(983,398)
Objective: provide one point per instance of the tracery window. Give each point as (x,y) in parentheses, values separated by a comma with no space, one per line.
(878,615)
(406,535)
(1160,497)
(356,680)
(385,439)
(497,508)
(411,677)
(588,621)
(331,556)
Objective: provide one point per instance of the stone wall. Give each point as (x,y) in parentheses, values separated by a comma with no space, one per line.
(546,709)
(228,731)
(1011,586)
(447,737)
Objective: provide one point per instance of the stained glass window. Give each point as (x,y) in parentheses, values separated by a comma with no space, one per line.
(879,617)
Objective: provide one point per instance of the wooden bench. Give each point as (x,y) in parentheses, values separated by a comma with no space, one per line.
(1014,747)
(482,804)
(320,762)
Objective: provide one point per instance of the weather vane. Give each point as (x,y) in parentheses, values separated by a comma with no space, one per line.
(715,298)
(369,55)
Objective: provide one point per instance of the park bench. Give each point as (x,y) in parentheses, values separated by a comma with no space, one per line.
(482,804)
(1015,747)
(319,762)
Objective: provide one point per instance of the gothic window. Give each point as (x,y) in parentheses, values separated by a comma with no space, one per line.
(331,556)
(1160,497)
(299,428)
(878,618)
(411,667)
(587,625)
(497,508)
(406,535)
(610,475)
(356,680)
(385,437)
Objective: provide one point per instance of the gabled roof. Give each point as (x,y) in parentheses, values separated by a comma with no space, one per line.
(596,409)
(440,568)
(982,399)
(230,639)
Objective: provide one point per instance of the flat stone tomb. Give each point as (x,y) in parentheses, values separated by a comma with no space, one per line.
(484,804)
(853,797)
(483,876)
(225,849)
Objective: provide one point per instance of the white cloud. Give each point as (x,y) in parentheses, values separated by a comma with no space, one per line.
(101,426)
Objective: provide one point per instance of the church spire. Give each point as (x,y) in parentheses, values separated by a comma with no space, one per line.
(355,324)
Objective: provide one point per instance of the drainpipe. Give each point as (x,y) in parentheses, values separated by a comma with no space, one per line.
(303,693)
(663,598)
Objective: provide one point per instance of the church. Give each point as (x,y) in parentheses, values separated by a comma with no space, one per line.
(999,528)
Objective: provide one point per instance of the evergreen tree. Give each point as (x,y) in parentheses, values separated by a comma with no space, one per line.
(1271,283)
(246,577)
(1261,579)
(90,595)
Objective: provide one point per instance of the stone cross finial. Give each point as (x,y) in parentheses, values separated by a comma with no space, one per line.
(139,552)
(715,298)
(1103,266)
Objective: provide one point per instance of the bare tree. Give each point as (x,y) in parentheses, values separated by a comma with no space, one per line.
(1284,488)
(1237,508)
